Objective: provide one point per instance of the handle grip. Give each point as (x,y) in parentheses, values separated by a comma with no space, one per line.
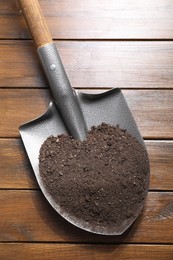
(36,22)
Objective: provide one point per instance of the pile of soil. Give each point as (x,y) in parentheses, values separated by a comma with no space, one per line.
(102,180)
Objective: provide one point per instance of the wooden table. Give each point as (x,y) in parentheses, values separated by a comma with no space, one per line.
(103,44)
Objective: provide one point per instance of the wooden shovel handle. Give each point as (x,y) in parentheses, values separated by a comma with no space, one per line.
(36,22)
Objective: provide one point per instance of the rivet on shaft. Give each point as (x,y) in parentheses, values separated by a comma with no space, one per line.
(52,67)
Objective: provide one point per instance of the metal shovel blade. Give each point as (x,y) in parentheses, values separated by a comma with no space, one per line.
(109,107)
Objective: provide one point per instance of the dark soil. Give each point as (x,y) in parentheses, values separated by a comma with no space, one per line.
(102,180)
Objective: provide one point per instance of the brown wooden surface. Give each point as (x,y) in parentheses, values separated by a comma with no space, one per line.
(98,19)
(92,64)
(103,44)
(46,251)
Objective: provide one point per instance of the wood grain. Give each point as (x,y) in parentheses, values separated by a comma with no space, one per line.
(161,164)
(27,216)
(131,19)
(36,22)
(16,172)
(49,251)
(92,64)
(152,110)
(20,106)
(21,67)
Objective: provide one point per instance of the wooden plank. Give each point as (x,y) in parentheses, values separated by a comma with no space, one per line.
(152,110)
(161,164)
(27,216)
(21,68)
(16,172)
(49,251)
(97,19)
(24,104)
(105,64)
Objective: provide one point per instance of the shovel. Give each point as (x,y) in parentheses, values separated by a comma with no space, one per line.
(71,112)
